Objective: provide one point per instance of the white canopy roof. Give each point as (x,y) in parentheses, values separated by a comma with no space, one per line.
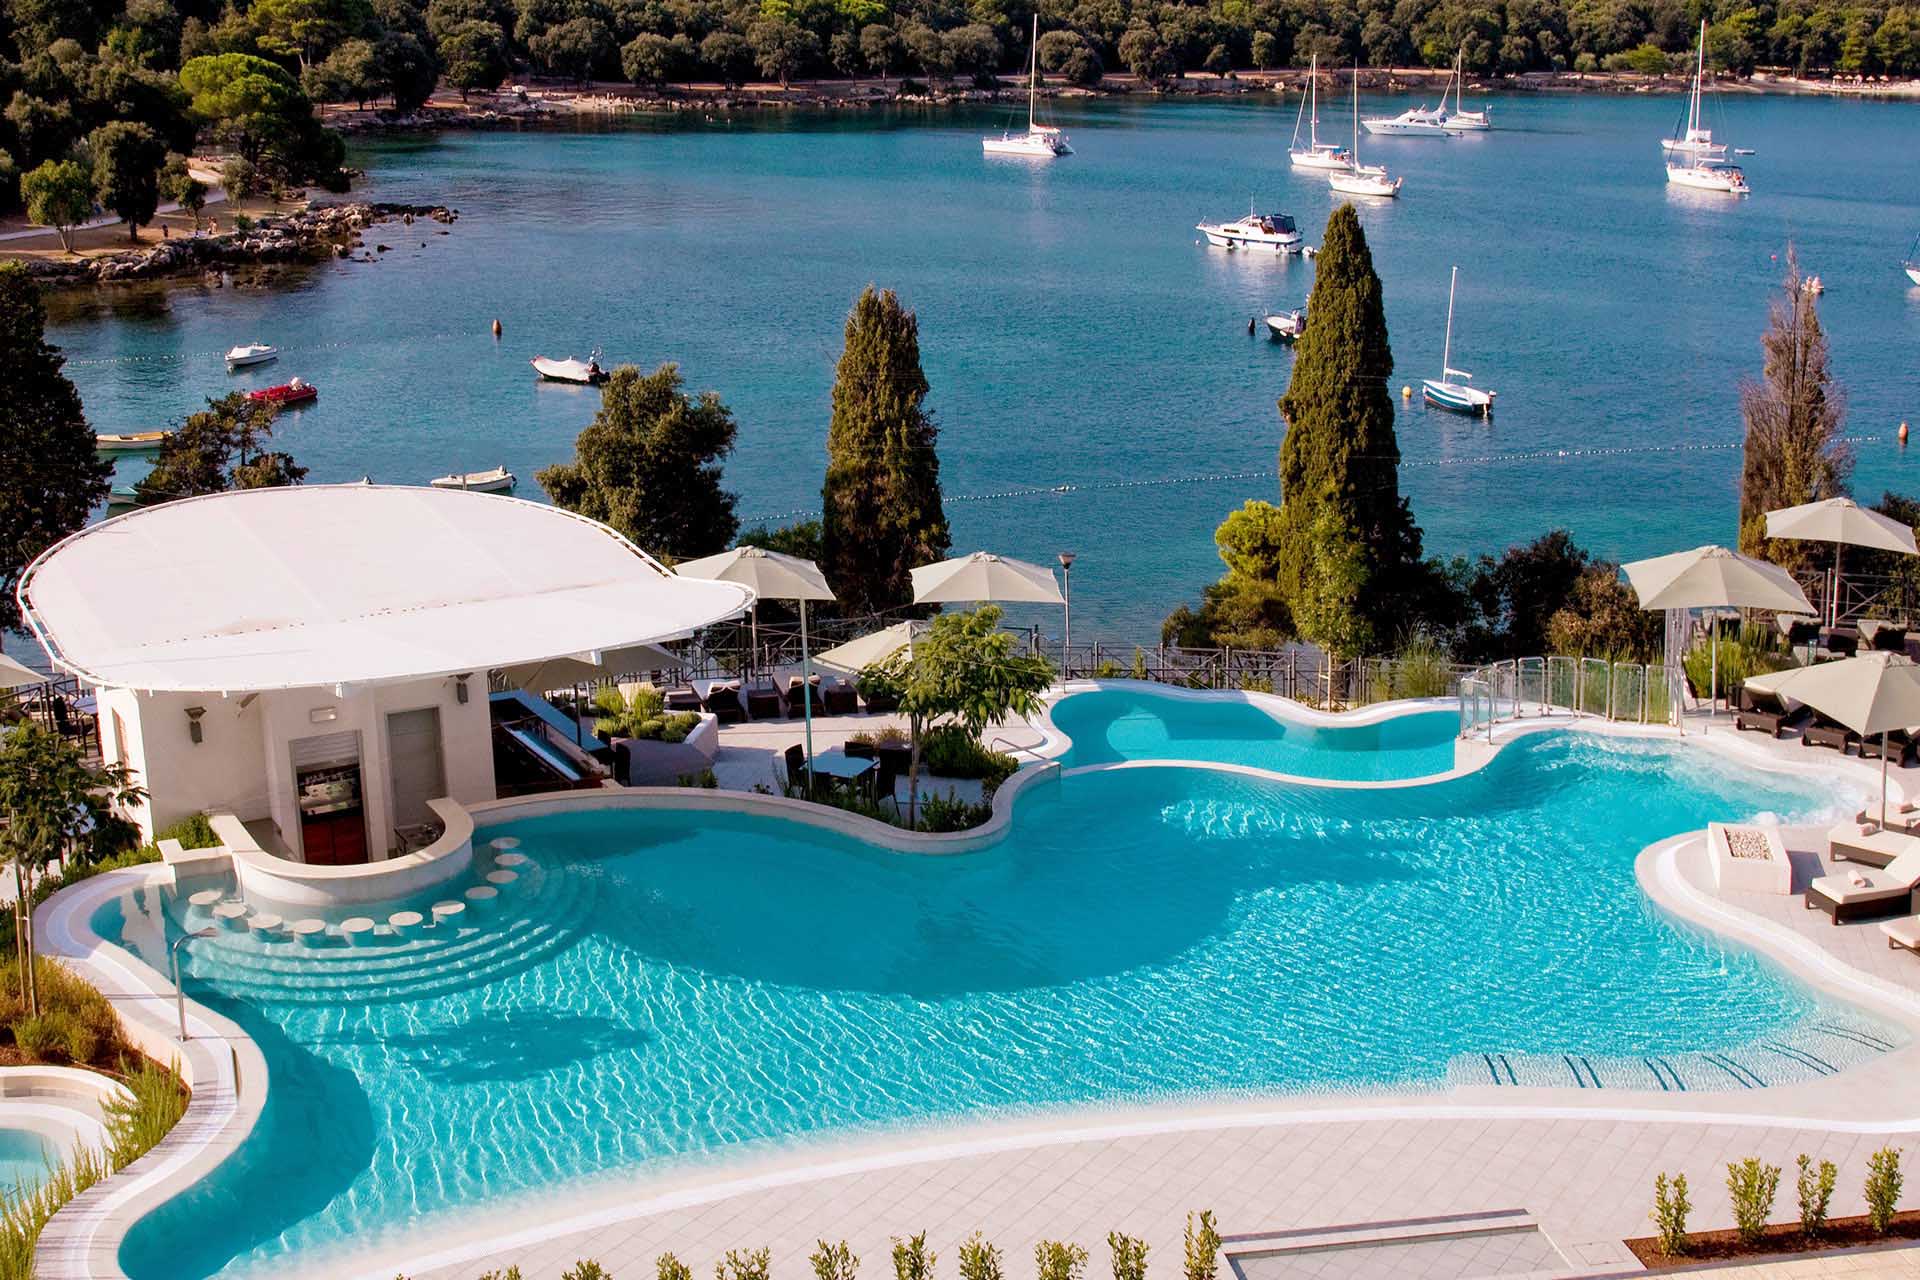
(318,585)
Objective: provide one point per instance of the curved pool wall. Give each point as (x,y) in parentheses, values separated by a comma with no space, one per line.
(1080,960)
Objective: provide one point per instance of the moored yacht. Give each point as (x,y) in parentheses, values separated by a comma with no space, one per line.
(1461,120)
(1362,179)
(1317,154)
(1286,326)
(1454,388)
(1912,264)
(1415,122)
(1694,139)
(1270,232)
(1703,173)
(1041,142)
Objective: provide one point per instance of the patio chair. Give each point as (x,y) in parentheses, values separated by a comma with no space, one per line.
(796,701)
(682,698)
(764,701)
(1822,732)
(1766,713)
(1868,843)
(886,779)
(1841,642)
(879,703)
(723,700)
(1867,893)
(798,775)
(1797,628)
(1900,747)
(1889,638)
(840,697)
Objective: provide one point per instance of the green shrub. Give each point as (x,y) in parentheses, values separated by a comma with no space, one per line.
(39,1038)
(1815,1187)
(1203,1248)
(586,1269)
(1670,1210)
(951,752)
(1139,668)
(950,813)
(511,1273)
(1751,1187)
(1058,1260)
(76,1020)
(912,1260)
(671,1268)
(1129,1256)
(136,1125)
(704,779)
(641,714)
(757,1264)
(1883,1187)
(834,1261)
(980,1260)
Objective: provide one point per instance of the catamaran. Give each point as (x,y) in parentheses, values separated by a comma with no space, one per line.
(1695,140)
(1912,264)
(1363,180)
(1461,120)
(1040,141)
(1318,155)
(1270,232)
(1445,391)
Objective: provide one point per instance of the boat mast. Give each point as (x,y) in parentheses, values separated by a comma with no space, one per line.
(1356,116)
(1699,74)
(1313,90)
(1295,144)
(1033,71)
(1446,351)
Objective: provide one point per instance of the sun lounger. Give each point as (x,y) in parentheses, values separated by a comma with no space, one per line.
(1846,842)
(723,699)
(796,705)
(1822,732)
(1766,713)
(1840,642)
(1866,893)
(880,702)
(1902,934)
(840,698)
(1900,747)
(682,699)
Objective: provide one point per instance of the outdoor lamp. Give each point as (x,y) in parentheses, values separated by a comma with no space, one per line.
(194,732)
(460,687)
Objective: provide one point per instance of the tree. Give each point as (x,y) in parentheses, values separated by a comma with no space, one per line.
(56,806)
(962,669)
(880,47)
(975,50)
(782,49)
(178,184)
(249,99)
(729,55)
(239,179)
(307,29)
(126,171)
(881,514)
(351,73)
(649,465)
(648,58)
(1794,451)
(1146,55)
(408,71)
(573,48)
(222,447)
(50,477)
(59,194)
(46,130)
(476,56)
(1602,618)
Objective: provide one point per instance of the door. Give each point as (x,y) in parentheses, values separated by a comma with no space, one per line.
(415,763)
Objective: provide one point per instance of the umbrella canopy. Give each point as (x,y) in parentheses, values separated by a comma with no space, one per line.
(985,576)
(1841,520)
(772,576)
(557,673)
(856,656)
(1714,577)
(13,674)
(1872,693)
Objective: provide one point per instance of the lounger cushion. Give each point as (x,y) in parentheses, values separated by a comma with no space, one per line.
(1843,889)
(1847,840)
(1905,931)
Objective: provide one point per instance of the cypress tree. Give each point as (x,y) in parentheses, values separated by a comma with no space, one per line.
(881,514)
(50,476)
(1340,460)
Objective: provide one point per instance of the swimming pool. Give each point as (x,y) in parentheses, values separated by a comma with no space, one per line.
(25,1158)
(694,986)
(1116,724)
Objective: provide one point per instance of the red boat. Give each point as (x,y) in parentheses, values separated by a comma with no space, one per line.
(295,392)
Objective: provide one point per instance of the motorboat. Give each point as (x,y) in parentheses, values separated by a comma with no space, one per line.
(1318,154)
(1694,139)
(1040,142)
(298,391)
(585,373)
(1454,388)
(1416,122)
(1813,285)
(251,354)
(1461,120)
(1286,326)
(131,442)
(122,498)
(497,480)
(1362,180)
(1265,232)
(1703,173)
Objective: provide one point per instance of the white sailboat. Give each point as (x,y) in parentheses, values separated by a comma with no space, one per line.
(1318,154)
(1912,265)
(1695,140)
(1272,232)
(1041,142)
(1453,389)
(1705,173)
(1363,180)
(1461,120)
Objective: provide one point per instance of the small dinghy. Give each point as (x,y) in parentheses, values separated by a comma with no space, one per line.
(132,442)
(121,498)
(583,373)
(250,354)
(1285,326)
(294,392)
(498,480)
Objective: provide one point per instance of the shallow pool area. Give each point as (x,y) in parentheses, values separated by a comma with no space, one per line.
(25,1159)
(664,986)
(1115,724)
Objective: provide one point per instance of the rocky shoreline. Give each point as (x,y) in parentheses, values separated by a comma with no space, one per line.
(310,235)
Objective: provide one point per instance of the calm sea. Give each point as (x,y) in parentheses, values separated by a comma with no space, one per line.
(1092,375)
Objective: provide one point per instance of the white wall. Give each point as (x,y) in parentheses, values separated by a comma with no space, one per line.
(226,770)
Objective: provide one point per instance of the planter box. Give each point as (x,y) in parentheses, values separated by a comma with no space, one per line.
(1751,859)
(649,762)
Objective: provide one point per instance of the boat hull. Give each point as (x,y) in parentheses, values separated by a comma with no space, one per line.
(1321,160)
(1031,148)
(1286,328)
(137,442)
(572,372)
(1354,184)
(1696,178)
(1406,128)
(1253,244)
(1913,271)
(1469,122)
(248,361)
(1457,398)
(479,482)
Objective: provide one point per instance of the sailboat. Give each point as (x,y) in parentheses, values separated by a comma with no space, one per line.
(1042,142)
(1445,391)
(1362,180)
(1912,265)
(1318,155)
(1461,120)
(1695,140)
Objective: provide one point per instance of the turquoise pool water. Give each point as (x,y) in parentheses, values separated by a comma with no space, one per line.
(1109,725)
(24,1159)
(666,987)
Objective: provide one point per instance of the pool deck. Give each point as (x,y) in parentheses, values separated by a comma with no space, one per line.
(1581,1163)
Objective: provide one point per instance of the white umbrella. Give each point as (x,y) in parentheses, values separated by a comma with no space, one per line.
(856,656)
(13,674)
(772,576)
(1843,522)
(1872,693)
(1714,578)
(570,669)
(984,576)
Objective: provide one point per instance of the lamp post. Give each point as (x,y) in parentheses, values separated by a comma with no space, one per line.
(1066,607)
(179,991)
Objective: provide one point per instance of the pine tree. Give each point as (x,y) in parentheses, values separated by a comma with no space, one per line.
(649,465)
(1340,460)
(1794,413)
(881,512)
(50,476)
